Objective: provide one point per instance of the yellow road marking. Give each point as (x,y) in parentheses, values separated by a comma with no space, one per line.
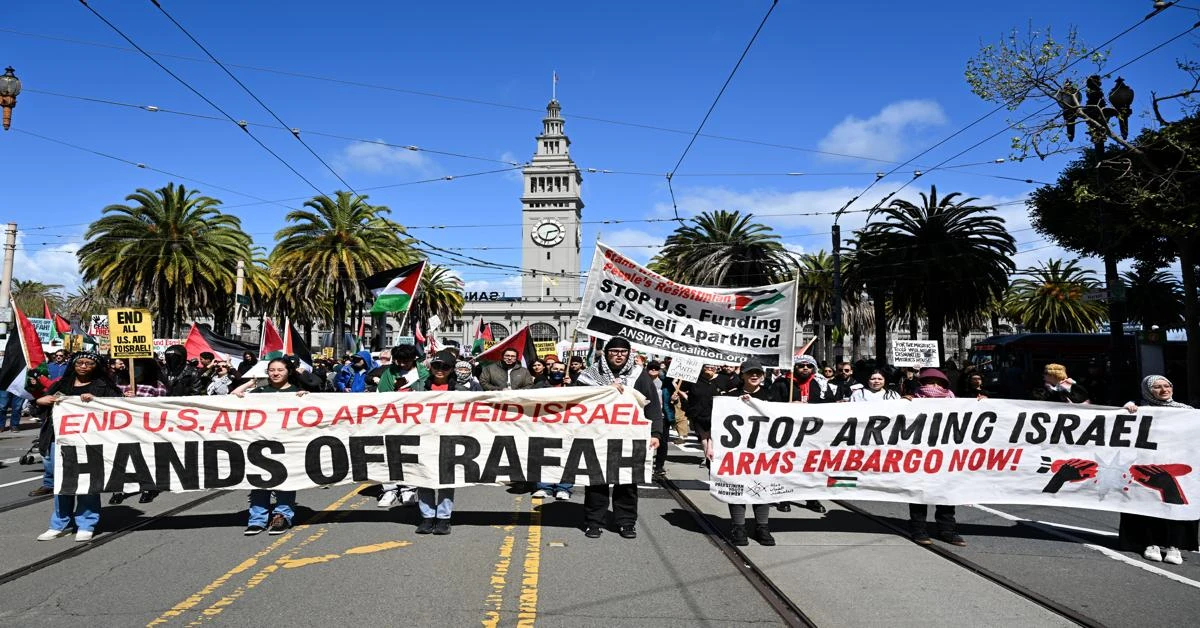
(499,577)
(378,547)
(194,599)
(527,614)
(303,562)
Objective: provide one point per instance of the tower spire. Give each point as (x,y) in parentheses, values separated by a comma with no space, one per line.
(554,86)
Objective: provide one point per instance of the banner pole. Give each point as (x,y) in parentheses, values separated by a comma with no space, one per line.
(791,369)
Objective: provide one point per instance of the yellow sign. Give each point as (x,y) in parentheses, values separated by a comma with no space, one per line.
(327,353)
(545,348)
(131,333)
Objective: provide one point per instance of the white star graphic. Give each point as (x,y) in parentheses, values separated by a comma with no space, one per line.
(1113,474)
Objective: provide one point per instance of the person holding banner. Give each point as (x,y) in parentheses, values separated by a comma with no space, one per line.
(86,378)
(752,387)
(616,370)
(145,381)
(555,378)
(1158,540)
(277,520)
(466,379)
(399,374)
(875,390)
(697,404)
(933,385)
(437,506)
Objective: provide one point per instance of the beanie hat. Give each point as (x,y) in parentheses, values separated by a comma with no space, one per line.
(616,342)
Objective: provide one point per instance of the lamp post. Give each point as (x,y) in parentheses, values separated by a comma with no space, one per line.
(10,86)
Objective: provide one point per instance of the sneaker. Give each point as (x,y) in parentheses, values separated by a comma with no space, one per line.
(541,493)
(628,532)
(253,530)
(593,532)
(83,536)
(952,538)
(762,534)
(408,496)
(737,535)
(148,496)
(784,506)
(815,506)
(659,474)
(387,499)
(279,525)
(51,534)
(1173,556)
(1153,553)
(441,527)
(426,526)
(921,537)
(562,496)
(41,490)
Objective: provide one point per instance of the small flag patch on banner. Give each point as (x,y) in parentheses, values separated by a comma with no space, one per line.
(841,481)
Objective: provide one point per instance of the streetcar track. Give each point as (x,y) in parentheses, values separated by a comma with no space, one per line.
(787,610)
(26,501)
(1033,596)
(99,540)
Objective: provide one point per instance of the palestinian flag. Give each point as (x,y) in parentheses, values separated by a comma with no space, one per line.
(61,325)
(750,300)
(841,481)
(483,335)
(395,289)
(201,338)
(295,345)
(522,341)
(22,354)
(271,346)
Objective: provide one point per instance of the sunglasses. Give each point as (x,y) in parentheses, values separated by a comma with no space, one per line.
(440,366)
(847,370)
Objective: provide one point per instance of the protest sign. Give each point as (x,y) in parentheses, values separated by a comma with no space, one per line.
(657,315)
(581,435)
(959,451)
(915,353)
(98,326)
(44,328)
(131,334)
(545,348)
(685,368)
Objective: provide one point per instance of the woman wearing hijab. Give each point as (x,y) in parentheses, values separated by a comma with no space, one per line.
(86,378)
(933,384)
(1159,540)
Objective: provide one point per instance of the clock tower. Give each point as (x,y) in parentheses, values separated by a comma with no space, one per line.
(551,209)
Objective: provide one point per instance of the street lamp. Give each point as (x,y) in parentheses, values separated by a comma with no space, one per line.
(10,86)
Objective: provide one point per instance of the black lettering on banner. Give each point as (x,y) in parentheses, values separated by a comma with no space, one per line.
(845,436)
(1120,429)
(1094,433)
(449,459)
(775,439)
(910,432)
(983,427)
(874,430)
(1037,423)
(125,454)
(1143,437)
(809,426)
(339,460)
(538,459)
(636,461)
(212,464)
(167,464)
(757,421)
(492,469)
(360,458)
(72,469)
(256,455)
(394,445)
(733,437)
(1064,429)
(583,449)
(955,431)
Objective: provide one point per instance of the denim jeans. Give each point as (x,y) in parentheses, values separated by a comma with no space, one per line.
(554,488)
(48,468)
(83,509)
(444,506)
(260,506)
(10,403)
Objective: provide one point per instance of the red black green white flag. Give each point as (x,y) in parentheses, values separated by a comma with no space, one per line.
(395,289)
(22,354)
(521,342)
(200,339)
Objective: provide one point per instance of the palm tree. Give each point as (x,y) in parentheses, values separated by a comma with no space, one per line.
(333,245)
(1051,297)
(28,296)
(85,301)
(440,294)
(724,249)
(170,249)
(814,297)
(947,258)
(1153,297)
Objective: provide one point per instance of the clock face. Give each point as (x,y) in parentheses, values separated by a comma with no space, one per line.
(548,232)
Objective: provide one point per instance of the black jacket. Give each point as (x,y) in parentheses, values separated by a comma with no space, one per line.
(816,392)
(698,405)
(764,393)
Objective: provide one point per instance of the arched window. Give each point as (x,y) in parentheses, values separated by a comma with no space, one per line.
(543,332)
(499,331)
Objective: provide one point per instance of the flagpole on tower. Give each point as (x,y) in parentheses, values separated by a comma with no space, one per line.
(554,86)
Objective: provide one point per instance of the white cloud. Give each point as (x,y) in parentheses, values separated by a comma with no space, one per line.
(635,243)
(883,135)
(510,286)
(376,158)
(35,260)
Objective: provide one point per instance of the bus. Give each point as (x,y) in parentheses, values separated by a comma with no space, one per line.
(1012,364)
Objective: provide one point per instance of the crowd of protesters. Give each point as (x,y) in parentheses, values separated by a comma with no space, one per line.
(684,406)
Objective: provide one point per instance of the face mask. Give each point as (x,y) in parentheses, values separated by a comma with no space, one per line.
(557,377)
(463,376)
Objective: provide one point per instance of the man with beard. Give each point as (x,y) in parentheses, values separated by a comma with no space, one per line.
(615,369)
(506,374)
(803,386)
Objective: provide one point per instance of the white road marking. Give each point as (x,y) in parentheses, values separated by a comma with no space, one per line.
(21,482)
(1113,554)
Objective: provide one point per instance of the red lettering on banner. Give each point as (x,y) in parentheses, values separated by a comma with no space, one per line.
(67,424)
(912,461)
(343,415)
(831,460)
(93,419)
(162,422)
(638,417)
(510,412)
(366,412)
(461,412)
(872,461)
(119,414)
(573,411)
(810,461)
(743,463)
(188,420)
(933,461)
(599,413)
(891,462)
(390,413)
(311,422)
(412,412)
(726,467)
(481,412)
(767,463)
(246,423)
(222,421)
(786,462)
(287,416)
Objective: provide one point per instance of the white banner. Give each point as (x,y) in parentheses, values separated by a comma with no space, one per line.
(718,325)
(916,353)
(584,435)
(959,451)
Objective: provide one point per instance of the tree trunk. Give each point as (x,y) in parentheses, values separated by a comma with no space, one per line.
(339,318)
(881,329)
(1191,315)
(827,338)
(1116,321)
(995,323)
(378,330)
(914,328)
(937,321)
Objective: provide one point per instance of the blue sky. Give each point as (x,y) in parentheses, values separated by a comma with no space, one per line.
(878,79)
